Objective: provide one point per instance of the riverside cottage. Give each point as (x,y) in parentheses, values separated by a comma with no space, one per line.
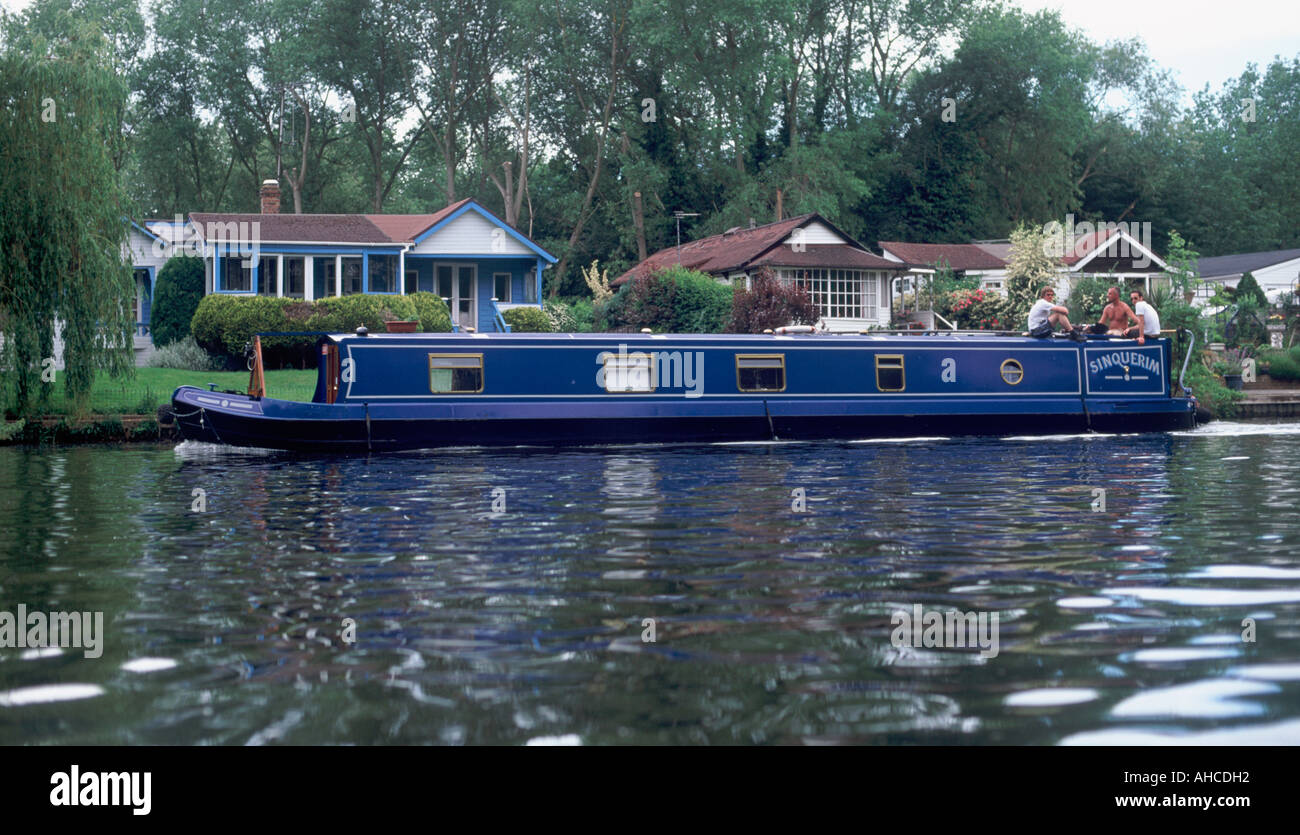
(852,287)
(467,255)
(464,253)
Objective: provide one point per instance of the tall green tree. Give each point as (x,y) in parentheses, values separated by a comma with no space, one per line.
(62,231)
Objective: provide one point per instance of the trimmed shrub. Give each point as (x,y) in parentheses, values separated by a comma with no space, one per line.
(527,320)
(186,355)
(700,303)
(770,304)
(175,298)
(432,312)
(222,325)
(343,314)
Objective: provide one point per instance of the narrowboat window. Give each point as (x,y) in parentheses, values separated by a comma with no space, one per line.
(455,373)
(889,372)
(760,372)
(627,372)
(1012,372)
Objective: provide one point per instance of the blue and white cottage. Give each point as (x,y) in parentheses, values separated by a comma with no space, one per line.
(467,255)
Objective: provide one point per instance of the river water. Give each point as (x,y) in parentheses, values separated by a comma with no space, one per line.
(509,596)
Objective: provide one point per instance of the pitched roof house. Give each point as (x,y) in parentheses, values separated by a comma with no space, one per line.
(463,252)
(1107,251)
(1277,271)
(851,285)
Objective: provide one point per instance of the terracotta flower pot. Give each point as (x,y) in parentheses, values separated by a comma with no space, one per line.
(402,327)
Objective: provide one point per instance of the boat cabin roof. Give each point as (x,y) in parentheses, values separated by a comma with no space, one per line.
(649,339)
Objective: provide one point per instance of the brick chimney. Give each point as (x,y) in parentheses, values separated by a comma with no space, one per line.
(270,193)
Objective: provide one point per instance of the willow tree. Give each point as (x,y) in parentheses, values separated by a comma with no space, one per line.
(62,230)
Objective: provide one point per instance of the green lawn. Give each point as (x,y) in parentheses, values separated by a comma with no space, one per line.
(152,387)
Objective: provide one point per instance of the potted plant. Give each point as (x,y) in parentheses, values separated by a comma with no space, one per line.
(1229,368)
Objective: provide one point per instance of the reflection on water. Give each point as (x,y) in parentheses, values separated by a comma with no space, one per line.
(478,623)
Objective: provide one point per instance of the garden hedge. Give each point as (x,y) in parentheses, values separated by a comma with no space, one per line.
(223,324)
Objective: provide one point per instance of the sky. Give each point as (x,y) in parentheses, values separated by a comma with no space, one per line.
(1202,41)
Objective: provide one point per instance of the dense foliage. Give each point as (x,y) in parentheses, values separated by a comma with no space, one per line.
(570,315)
(978,310)
(61,229)
(1283,365)
(177,295)
(672,300)
(930,120)
(223,325)
(527,320)
(770,304)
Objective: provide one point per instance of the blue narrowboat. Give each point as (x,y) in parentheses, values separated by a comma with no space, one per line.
(412,391)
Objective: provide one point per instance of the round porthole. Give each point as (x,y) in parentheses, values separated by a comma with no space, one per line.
(1012,372)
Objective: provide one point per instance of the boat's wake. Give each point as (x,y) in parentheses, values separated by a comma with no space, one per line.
(204,451)
(1227,428)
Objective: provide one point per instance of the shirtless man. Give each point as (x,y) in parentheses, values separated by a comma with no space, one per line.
(1117,315)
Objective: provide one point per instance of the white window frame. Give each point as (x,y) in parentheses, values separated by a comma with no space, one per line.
(510,277)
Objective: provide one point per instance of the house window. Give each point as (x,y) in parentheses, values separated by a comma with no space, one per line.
(293,277)
(325,283)
(838,294)
(760,372)
(626,372)
(455,373)
(889,372)
(266,275)
(141,293)
(352,276)
(383,273)
(412,281)
(530,288)
(501,286)
(235,276)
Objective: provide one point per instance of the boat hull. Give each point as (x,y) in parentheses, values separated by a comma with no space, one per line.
(237,420)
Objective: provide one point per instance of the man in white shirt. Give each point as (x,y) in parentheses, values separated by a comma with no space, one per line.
(1148,320)
(1046,313)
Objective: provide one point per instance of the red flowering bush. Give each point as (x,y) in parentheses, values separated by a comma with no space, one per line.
(978,310)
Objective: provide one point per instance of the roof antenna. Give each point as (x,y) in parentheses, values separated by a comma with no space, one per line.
(679,214)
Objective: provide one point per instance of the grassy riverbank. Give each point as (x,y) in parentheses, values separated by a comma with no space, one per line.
(150,388)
